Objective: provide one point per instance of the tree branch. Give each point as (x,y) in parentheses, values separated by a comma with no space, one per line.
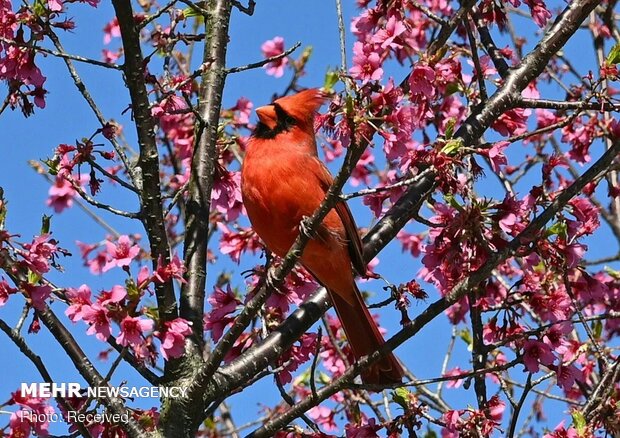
(148,161)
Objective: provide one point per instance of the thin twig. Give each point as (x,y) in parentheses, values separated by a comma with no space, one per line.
(61,54)
(263,62)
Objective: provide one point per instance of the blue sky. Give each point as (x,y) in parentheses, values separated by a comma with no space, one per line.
(67,118)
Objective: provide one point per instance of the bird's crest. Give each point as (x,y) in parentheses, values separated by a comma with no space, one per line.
(303,105)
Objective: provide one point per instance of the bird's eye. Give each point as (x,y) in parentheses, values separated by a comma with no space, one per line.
(284,117)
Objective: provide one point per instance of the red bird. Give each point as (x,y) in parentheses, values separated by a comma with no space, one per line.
(283,180)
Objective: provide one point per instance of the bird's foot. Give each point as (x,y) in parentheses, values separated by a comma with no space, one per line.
(271,280)
(305,229)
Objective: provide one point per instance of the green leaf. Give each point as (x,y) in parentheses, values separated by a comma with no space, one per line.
(132,290)
(33,277)
(465,335)
(452,202)
(209,424)
(579,421)
(452,146)
(452,88)
(153,313)
(192,12)
(430,434)
(2,208)
(46,221)
(559,229)
(331,79)
(614,55)
(323,378)
(401,396)
(597,329)
(52,165)
(39,8)
(612,272)
(450,127)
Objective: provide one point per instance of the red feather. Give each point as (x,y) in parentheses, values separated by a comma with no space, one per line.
(282,180)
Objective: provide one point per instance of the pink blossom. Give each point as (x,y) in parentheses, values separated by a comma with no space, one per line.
(512,122)
(297,286)
(173,338)
(226,194)
(5,291)
(32,417)
(411,242)
(132,329)
(375,202)
(362,170)
(78,298)
(174,269)
(96,264)
(168,106)
(111,30)
(40,253)
(454,383)
(236,243)
(540,13)
(38,295)
(271,48)
(366,63)
(552,306)
(54,5)
(298,354)
(18,64)
(223,303)
(19,423)
(587,215)
(96,315)
(496,155)
(496,408)
(448,71)
(487,67)
(580,135)
(421,81)
(363,25)
(242,111)
(120,254)
(61,195)
(403,121)
(567,375)
(324,417)
(555,336)
(388,36)
(453,422)
(369,430)
(113,296)
(561,432)
(110,56)
(535,353)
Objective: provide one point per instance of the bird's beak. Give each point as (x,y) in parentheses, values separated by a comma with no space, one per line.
(267,116)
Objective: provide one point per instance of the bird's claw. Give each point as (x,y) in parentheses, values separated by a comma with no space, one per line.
(305,229)
(270,280)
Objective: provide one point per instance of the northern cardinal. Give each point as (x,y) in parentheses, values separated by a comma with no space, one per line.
(283,181)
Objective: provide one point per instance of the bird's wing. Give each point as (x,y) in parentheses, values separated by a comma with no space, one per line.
(356,248)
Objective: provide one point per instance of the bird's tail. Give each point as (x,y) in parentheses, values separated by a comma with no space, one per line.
(364,337)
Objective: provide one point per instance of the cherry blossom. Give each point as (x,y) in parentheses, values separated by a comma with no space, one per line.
(174,269)
(173,337)
(133,329)
(536,353)
(366,64)
(78,298)
(5,291)
(120,254)
(271,48)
